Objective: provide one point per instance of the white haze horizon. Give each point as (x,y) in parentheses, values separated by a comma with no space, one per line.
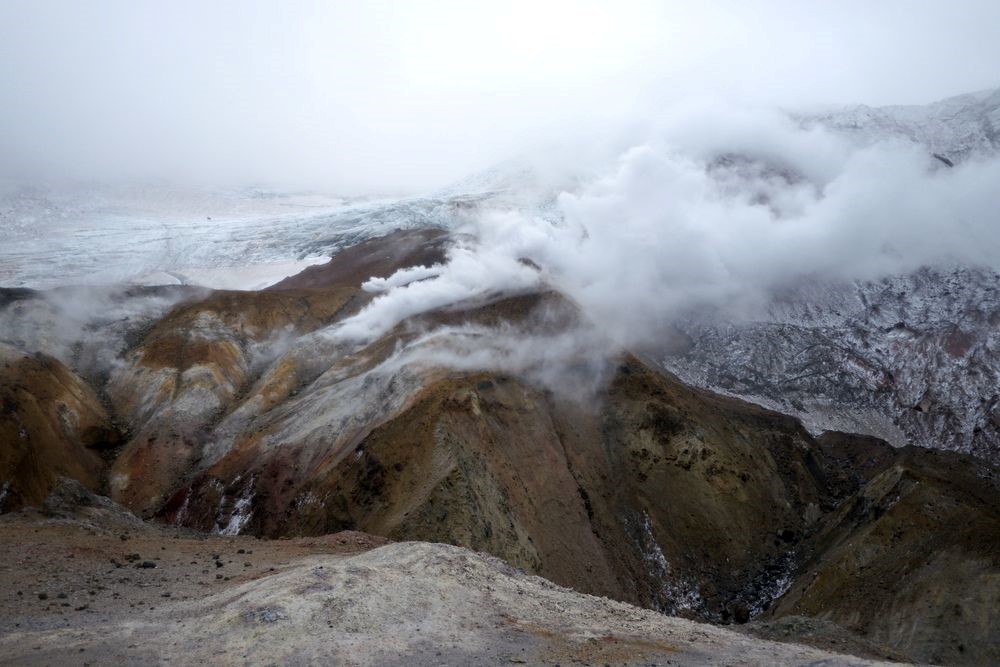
(401,98)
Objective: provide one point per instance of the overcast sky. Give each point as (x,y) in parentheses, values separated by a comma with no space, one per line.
(356,97)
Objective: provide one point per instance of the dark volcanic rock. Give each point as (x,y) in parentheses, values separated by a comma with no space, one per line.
(378,257)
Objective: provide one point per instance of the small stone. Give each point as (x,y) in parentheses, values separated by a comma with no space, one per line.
(43,596)
(146,565)
(62,596)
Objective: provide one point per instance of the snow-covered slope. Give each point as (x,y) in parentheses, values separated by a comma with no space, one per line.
(912,359)
(956,128)
(245,239)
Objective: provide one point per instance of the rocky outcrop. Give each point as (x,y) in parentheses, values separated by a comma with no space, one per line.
(187,372)
(200,362)
(51,424)
(911,560)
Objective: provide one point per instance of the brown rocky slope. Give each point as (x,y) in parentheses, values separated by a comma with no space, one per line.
(243,415)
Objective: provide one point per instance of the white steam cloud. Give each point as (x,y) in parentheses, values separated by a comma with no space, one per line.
(719,209)
(573,362)
(86,328)
(471,273)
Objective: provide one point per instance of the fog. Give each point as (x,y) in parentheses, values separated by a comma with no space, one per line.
(394,97)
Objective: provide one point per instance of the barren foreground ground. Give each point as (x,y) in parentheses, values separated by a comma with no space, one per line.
(99,587)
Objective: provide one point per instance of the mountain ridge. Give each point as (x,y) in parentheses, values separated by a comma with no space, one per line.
(648,491)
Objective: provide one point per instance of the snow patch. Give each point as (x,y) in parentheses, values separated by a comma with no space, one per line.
(675,593)
(241,511)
